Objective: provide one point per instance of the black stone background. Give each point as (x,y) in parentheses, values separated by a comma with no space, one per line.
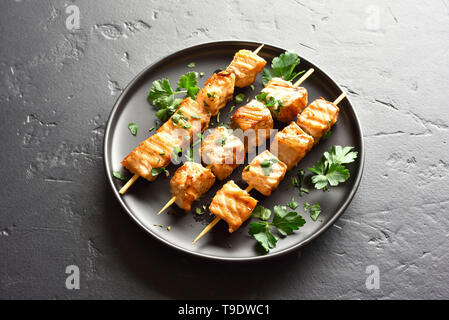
(57,88)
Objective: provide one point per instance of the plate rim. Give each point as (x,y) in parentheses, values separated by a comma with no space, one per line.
(247,44)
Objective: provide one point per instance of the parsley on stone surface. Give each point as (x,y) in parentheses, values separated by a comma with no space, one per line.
(283,67)
(329,170)
(283,221)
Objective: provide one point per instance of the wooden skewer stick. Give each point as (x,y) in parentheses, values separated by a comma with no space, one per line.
(249,188)
(136,176)
(258,49)
(303,78)
(340,97)
(129,184)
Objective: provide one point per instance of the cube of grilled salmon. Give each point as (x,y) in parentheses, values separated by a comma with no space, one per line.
(222,151)
(233,205)
(284,100)
(190,118)
(246,65)
(264,173)
(154,152)
(318,118)
(217,91)
(253,116)
(189,182)
(291,145)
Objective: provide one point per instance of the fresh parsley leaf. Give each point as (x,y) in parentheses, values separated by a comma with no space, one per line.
(293,204)
(329,169)
(188,80)
(201,74)
(239,98)
(283,67)
(232,109)
(286,222)
(84,211)
(175,152)
(261,213)
(161,94)
(198,211)
(151,129)
(133,128)
(191,65)
(340,155)
(261,231)
(252,87)
(119,175)
(303,191)
(315,211)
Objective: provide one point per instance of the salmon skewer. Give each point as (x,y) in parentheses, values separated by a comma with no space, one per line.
(226,209)
(255,115)
(218,90)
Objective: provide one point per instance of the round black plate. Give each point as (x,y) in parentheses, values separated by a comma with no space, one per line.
(143,200)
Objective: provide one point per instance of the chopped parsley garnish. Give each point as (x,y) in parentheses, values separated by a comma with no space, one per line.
(133,128)
(221,141)
(314,210)
(293,204)
(201,74)
(198,211)
(232,109)
(191,65)
(252,87)
(157,171)
(329,170)
(266,165)
(119,175)
(151,129)
(283,67)
(176,151)
(284,222)
(239,98)
(296,181)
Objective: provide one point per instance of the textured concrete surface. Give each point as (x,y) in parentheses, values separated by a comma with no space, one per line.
(57,88)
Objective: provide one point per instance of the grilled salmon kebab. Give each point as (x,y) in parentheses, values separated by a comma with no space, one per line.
(233,205)
(156,151)
(283,99)
(217,92)
(222,152)
(264,173)
(256,117)
(190,182)
(318,118)
(193,116)
(291,144)
(246,65)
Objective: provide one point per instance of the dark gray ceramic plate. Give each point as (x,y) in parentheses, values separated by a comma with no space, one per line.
(144,199)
